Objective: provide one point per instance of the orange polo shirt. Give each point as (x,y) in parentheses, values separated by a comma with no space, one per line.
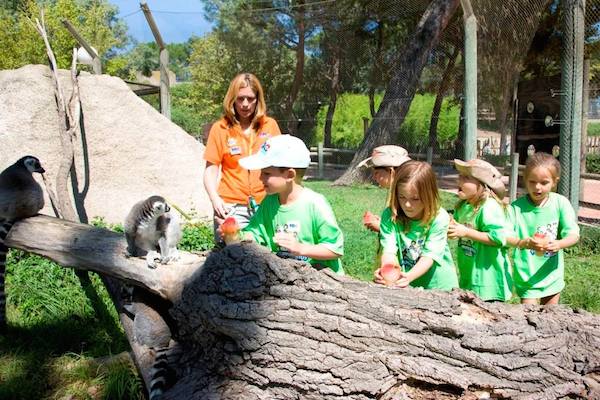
(226,144)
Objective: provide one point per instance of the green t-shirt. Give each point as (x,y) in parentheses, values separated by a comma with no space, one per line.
(541,275)
(482,268)
(310,218)
(417,241)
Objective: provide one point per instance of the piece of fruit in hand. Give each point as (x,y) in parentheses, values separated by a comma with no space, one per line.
(390,273)
(543,240)
(230,231)
(368,217)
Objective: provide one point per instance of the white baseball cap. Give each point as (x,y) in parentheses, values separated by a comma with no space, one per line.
(285,151)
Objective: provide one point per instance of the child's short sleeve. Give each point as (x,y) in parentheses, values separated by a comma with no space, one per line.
(328,233)
(567,218)
(437,237)
(493,221)
(387,233)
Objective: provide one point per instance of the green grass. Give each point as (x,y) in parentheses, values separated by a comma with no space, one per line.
(58,330)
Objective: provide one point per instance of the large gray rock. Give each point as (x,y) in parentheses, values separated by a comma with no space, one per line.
(126,152)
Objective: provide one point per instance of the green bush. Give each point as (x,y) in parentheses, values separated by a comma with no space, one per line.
(593,129)
(592,163)
(347,128)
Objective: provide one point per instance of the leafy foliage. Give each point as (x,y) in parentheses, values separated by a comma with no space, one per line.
(592,163)
(21,44)
(348,124)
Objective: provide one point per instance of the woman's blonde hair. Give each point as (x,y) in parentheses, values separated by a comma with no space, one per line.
(543,160)
(419,175)
(242,81)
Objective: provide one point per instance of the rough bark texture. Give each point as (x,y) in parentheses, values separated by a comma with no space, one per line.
(402,86)
(249,325)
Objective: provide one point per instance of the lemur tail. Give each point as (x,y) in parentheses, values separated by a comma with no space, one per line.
(162,376)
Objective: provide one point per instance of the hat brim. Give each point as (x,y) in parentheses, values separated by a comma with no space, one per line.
(462,167)
(253,162)
(366,163)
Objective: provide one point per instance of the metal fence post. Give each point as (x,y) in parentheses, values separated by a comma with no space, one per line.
(470,89)
(570,103)
(514,177)
(320,159)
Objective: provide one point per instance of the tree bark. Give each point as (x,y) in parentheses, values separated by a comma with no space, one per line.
(333,93)
(439,99)
(377,70)
(299,74)
(249,325)
(402,86)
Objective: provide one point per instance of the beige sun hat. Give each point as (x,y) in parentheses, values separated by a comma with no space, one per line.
(386,156)
(484,172)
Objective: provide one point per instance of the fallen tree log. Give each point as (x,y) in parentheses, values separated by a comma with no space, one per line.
(86,247)
(250,325)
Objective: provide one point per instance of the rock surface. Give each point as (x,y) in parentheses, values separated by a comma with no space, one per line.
(126,151)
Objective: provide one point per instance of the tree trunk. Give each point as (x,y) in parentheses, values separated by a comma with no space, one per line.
(439,99)
(292,125)
(249,325)
(334,89)
(376,72)
(402,86)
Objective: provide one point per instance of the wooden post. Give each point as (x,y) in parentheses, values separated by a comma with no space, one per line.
(320,160)
(96,63)
(165,93)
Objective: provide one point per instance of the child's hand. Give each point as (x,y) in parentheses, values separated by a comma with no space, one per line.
(371,221)
(539,243)
(288,242)
(552,246)
(456,230)
(402,282)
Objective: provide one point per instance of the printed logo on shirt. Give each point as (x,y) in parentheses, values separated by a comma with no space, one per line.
(265,147)
(291,227)
(411,254)
(235,150)
(467,245)
(263,135)
(550,231)
(231,142)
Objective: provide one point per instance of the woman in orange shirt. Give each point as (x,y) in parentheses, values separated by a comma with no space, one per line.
(241,132)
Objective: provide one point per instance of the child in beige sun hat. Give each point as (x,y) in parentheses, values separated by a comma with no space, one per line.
(383,162)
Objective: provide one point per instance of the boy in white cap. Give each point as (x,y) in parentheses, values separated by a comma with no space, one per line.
(384,162)
(293,221)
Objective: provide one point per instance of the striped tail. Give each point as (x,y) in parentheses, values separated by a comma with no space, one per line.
(5,226)
(162,376)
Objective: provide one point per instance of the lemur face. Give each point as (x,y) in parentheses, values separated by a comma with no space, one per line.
(33,165)
(160,207)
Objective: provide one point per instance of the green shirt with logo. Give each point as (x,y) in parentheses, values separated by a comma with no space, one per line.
(420,240)
(309,218)
(541,275)
(484,269)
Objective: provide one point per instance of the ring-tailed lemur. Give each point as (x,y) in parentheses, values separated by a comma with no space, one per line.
(151,229)
(20,197)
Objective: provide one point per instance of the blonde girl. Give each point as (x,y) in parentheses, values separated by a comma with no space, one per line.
(481,226)
(545,224)
(413,231)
